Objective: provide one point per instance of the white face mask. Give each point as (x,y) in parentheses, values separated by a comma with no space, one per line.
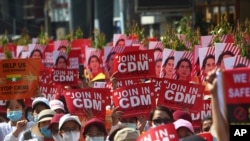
(71,136)
(57,137)
(181,139)
(94,139)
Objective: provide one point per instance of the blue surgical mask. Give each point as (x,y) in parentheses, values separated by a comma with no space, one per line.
(94,139)
(29,116)
(14,115)
(46,132)
(131,125)
(35,118)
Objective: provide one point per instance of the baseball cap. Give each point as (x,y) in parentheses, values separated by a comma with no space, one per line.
(56,104)
(40,100)
(114,129)
(126,134)
(44,115)
(183,123)
(55,119)
(94,121)
(68,117)
(180,114)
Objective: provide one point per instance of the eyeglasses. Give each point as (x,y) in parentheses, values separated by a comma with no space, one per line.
(160,121)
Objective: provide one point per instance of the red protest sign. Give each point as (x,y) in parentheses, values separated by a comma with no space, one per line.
(65,76)
(180,95)
(19,78)
(45,76)
(95,99)
(206,111)
(49,91)
(2,106)
(135,100)
(127,82)
(206,135)
(236,90)
(164,132)
(135,64)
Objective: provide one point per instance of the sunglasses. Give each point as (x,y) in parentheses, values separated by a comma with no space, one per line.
(160,121)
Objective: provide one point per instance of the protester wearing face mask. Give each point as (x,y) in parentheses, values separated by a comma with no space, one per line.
(94,130)
(69,127)
(54,127)
(39,104)
(16,114)
(40,129)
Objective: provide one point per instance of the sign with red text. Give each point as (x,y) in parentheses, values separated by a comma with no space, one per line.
(164,132)
(65,76)
(18,78)
(48,90)
(236,90)
(94,99)
(180,95)
(135,100)
(135,64)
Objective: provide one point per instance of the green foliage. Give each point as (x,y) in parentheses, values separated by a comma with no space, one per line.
(25,39)
(4,41)
(221,29)
(99,40)
(43,37)
(135,32)
(78,33)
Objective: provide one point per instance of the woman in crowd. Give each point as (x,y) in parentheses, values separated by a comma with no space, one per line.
(110,64)
(94,66)
(16,114)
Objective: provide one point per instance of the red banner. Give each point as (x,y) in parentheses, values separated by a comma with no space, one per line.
(65,76)
(19,78)
(135,100)
(137,64)
(95,99)
(164,132)
(181,95)
(236,89)
(49,91)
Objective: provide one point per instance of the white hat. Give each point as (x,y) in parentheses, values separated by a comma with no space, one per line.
(44,115)
(68,117)
(56,104)
(183,123)
(40,100)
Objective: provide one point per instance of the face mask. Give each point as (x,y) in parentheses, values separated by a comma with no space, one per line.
(35,118)
(14,115)
(71,136)
(30,117)
(57,137)
(181,139)
(46,132)
(94,139)
(131,125)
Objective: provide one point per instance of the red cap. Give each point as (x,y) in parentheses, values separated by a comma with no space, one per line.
(55,119)
(96,122)
(180,114)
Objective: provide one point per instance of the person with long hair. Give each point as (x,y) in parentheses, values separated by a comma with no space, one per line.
(109,70)
(184,69)
(94,68)
(61,62)
(222,56)
(168,67)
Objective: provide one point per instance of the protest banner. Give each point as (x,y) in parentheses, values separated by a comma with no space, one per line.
(135,64)
(2,106)
(164,132)
(136,100)
(49,91)
(19,78)
(94,99)
(205,112)
(181,95)
(235,84)
(65,76)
